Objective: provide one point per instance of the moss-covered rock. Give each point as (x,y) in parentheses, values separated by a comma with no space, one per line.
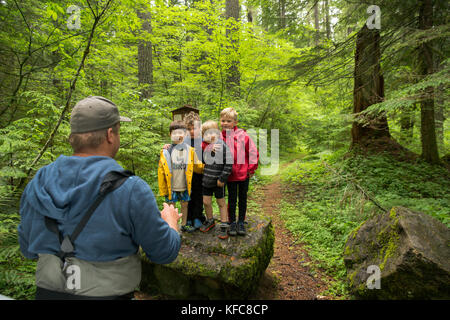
(210,268)
(411,250)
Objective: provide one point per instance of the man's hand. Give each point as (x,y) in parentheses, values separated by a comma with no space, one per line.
(171,216)
(220,183)
(166,146)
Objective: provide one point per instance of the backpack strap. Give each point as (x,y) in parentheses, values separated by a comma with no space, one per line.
(112,181)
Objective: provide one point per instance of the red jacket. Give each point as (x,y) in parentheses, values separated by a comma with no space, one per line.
(244,152)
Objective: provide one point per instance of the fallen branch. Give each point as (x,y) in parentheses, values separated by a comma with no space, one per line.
(353,181)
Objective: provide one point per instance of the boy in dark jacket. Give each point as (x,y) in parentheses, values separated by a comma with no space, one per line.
(194,139)
(218,164)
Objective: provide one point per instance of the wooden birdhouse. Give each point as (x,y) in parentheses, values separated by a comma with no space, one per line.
(180,113)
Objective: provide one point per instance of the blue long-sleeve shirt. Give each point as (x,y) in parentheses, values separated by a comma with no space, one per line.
(127,217)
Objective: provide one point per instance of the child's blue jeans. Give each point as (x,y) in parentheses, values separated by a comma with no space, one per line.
(179,196)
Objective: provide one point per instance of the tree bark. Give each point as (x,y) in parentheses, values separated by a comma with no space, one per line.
(232,11)
(327,19)
(282,13)
(316,22)
(407,126)
(250,13)
(145,57)
(440,116)
(425,67)
(368,87)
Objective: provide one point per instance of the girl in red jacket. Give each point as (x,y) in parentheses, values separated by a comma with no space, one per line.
(245,162)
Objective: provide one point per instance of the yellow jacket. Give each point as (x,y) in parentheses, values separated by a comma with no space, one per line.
(165,171)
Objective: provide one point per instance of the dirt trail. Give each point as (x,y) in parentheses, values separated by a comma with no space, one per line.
(287,277)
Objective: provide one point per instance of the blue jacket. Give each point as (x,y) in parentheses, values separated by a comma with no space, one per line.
(127,217)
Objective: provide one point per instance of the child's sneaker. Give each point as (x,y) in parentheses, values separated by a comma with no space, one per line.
(207,225)
(197,223)
(223,234)
(232,230)
(241,229)
(187,228)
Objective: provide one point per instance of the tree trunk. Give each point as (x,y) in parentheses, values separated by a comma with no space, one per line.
(145,58)
(282,13)
(425,67)
(368,87)
(316,22)
(440,116)
(439,46)
(232,11)
(327,19)
(407,126)
(250,13)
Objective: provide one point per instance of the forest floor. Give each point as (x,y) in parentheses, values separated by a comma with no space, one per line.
(288,276)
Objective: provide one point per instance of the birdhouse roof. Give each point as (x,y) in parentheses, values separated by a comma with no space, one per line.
(185,109)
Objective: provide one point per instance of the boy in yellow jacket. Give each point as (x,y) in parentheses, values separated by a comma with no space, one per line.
(176,167)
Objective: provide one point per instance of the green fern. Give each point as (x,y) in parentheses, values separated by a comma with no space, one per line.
(17,274)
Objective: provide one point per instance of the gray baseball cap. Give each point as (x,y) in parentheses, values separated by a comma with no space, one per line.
(94,113)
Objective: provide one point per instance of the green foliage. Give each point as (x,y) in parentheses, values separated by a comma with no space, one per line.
(419,186)
(411,93)
(20,140)
(16,272)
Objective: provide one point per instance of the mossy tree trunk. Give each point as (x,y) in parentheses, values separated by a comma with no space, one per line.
(145,57)
(232,12)
(425,67)
(368,87)
(316,23)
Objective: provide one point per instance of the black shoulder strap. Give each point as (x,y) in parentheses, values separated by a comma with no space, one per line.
(112,181)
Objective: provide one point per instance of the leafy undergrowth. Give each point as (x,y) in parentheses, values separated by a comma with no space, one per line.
(323,200)
(16,273)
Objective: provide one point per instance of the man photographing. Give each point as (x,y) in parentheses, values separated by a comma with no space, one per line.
(83,217)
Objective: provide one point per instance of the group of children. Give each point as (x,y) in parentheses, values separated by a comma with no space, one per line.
(199,163)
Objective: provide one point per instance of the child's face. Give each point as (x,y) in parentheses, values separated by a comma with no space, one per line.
(177,136)
(211,136)
(195,130)
(227,123)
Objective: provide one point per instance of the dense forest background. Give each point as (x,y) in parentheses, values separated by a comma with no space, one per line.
(282,64)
